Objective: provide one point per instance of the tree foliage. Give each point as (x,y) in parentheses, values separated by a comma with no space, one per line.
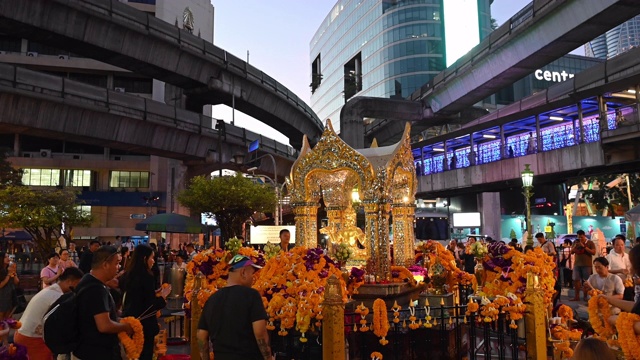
(603,197)
(41,213)
(230,199)
(8,174)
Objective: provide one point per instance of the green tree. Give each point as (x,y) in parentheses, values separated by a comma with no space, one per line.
(512,234)
(42,214)
(494,24)
(231,200)
(8,174)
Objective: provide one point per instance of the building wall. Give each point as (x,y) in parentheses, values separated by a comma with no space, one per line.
(615,41)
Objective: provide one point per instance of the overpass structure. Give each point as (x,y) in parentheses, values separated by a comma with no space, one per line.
(586,125)
(541,32)
(50,106)
(203,74)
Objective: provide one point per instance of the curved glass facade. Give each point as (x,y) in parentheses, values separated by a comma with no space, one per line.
(380,48)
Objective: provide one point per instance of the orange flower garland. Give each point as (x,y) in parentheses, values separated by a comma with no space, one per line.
(438,253)
(376,356)
(627,338)
(132,346)
(380,320)
(598,305)
(363,311)
(565,312)
(396,312)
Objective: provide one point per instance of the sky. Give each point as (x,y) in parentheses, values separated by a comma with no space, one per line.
(276,33)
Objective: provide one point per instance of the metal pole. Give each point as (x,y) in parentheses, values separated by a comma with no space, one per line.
(527,196)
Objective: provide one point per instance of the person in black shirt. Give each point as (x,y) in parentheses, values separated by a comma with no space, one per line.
(234,318)
(140,297)
(97,320)
(87,256)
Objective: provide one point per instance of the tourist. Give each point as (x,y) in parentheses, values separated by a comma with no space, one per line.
(453,248)
(98,323)
(593,349)
(73,254)
(619,263)
(180,264)
(191,251)
(124,254)
(8,282)
(129,245)
(515,245)
(566,262)
(140,300)
(546,246)
(468,259)
(87,256)
(584,250)
(50,273)
(31,332)
(625,305)
(234,318)
(65,261)
(285,236)
(604,281)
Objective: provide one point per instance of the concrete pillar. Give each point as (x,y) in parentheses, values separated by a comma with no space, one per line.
(503,143)
(637,88)
(16,145)
(333,345)
(580,124)
(602,110)
(472,152)
(538,135)
(489,206)
(445,166)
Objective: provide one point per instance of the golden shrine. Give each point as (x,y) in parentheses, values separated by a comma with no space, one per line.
(384,177)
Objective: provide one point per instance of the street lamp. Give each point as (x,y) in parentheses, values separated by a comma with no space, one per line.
(527,186)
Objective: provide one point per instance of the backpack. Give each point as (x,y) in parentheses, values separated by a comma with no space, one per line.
(60,323)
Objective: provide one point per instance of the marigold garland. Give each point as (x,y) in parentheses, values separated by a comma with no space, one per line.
(363,311)
(376,356)
(380,320)
(435,252)
(565,312)
(132,345)
(412,311)
(396,312)
(598,306)
(627,338)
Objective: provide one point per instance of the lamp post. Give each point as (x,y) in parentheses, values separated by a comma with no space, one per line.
(527,186)
(276,216)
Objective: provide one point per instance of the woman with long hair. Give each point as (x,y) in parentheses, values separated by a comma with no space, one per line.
(8,282)
(141,299)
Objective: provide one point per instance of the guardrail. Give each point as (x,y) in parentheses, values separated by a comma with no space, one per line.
(54,88)
(134,19)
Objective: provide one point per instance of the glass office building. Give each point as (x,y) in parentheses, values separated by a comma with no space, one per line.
(389,48)
(615,41)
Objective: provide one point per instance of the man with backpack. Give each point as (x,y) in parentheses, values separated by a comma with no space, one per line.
(31,332)
(98,324)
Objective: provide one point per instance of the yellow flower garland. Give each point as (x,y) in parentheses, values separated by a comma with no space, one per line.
(132,346)
(598,305)
(627,338)
(363,311)
(380,320)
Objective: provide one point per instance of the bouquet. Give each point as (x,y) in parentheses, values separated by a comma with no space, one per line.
(478,249)
(233,245)
(271,250)
(342,252)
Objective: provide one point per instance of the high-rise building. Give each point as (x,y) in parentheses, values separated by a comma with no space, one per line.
(389,48)
(119,187)
(615,41)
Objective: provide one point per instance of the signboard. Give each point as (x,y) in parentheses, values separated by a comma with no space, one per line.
(467,220)
(255,145)
(262,234)
(552,76)
(137,216)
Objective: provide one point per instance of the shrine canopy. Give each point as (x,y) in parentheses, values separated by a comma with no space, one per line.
(385,183)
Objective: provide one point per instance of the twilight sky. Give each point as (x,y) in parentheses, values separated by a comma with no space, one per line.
(277,34)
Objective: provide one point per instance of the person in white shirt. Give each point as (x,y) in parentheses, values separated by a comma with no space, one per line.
(546,246)
(609,284)
(180,264)
(620,264)
(31,331)
(191,251)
